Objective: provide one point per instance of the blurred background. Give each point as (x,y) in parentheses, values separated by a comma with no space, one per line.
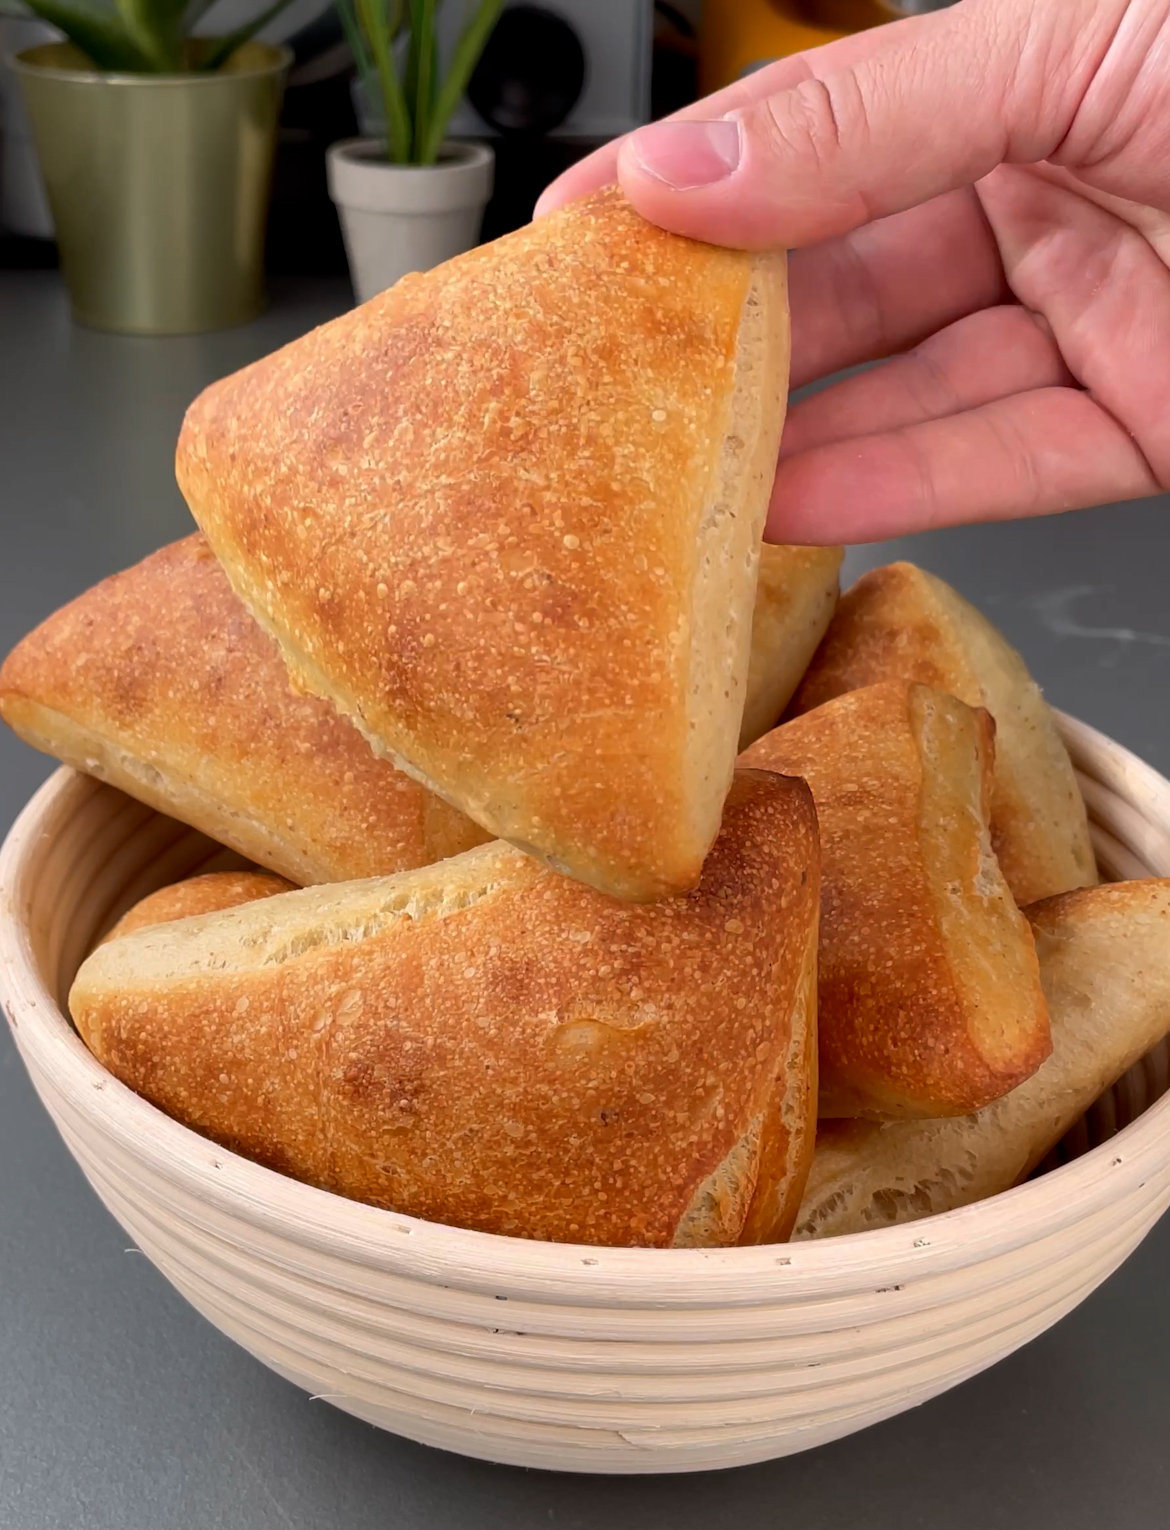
(563,77)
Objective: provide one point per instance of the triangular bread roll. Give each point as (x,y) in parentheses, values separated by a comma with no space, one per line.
(158,681)
(1105,963)
(488,1044)
(929,994)
(795,600)
(507,517)
(901,623)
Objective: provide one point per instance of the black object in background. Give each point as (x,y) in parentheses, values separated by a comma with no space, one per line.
(19,253)
(526,162)
(674,82)
(531,74)
(524,167)
(525,85)
(304,235)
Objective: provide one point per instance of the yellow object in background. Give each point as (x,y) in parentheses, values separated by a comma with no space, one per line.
(736,35)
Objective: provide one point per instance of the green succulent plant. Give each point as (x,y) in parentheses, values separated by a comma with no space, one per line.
(144,36)
(395,45)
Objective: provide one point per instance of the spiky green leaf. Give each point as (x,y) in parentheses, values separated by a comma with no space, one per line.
(468,52)
(97,31)
(222,48)
(376,24)
(152,25)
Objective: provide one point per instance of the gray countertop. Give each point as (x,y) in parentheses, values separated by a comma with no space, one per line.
(121,1409)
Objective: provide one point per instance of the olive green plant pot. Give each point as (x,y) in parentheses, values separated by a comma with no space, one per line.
(159,185)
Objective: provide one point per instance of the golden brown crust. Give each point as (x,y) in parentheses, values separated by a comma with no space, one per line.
(488,1044)
(507,515)
(160,682)
(1105,963)
(901,623)
(207,894)
(929,996)
(795,600)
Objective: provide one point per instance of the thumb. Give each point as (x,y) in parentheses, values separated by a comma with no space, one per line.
(953,94)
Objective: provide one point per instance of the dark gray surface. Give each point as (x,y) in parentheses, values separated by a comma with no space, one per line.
(120,1409)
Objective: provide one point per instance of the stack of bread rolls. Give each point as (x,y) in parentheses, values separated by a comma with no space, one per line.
(612,880)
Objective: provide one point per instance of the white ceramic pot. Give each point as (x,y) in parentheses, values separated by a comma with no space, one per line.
(401,218)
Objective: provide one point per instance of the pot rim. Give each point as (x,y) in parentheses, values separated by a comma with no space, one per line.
(280,58)
(469,155)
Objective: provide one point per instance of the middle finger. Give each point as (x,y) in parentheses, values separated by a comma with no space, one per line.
(887,286)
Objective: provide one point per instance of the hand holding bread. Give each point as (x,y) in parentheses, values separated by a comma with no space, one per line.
(483,559)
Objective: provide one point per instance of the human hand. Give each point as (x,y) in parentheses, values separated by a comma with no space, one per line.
(982,194)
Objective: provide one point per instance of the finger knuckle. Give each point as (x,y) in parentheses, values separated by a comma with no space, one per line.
(930,381)
(806,121)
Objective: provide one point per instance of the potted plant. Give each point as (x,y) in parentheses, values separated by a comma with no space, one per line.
(156,149)
(411,198)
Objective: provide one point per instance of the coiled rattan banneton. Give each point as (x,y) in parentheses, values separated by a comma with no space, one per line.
(584,1359)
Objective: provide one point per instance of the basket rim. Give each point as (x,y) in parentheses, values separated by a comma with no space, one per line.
(563,1273)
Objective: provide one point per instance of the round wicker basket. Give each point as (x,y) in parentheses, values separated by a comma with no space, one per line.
(548,1355)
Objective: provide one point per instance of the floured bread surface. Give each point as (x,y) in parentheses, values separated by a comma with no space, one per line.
(795,600)
(158,681)
(488,1044)
(901,623)
(929,993)
(1105,964)
(207,894)
(507,517)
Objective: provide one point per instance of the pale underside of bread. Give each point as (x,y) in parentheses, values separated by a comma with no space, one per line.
(1105,963)
(486,1043)
(929,995)
(507,518)
(901,623)
(158,681)
(160,788)
(795,600)
(210,893)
